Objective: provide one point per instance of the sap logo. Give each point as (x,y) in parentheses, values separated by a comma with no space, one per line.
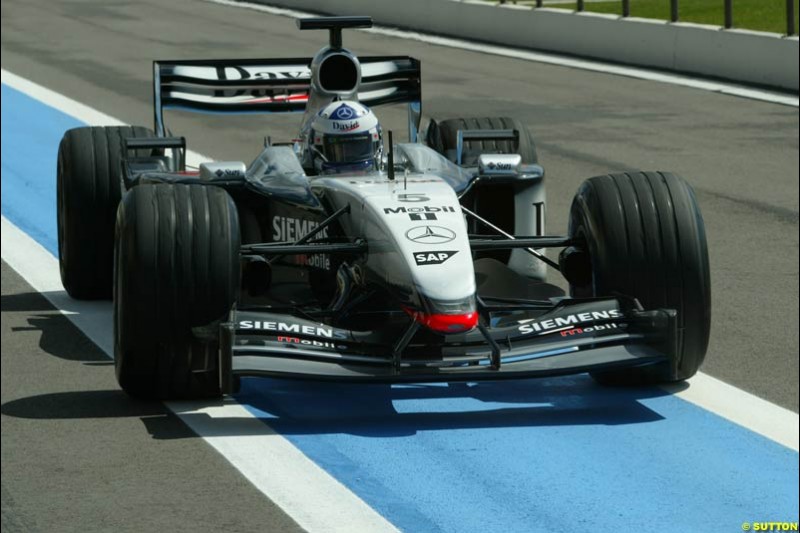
(433,258)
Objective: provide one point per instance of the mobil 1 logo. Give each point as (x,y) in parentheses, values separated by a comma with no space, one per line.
(433,258)
(425,212)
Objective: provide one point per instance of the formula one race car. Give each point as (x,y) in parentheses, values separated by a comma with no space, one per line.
(345,256)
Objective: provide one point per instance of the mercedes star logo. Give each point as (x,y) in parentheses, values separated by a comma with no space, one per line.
(343,112)
(430,235)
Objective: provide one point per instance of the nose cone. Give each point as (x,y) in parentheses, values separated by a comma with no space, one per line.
(457,316)
(445,323)
(419,245)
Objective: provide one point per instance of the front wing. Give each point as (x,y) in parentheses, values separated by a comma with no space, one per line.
(575,336)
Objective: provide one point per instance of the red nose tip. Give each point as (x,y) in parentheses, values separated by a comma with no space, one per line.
(446,323)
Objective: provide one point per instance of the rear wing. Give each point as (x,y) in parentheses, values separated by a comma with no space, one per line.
(275,86)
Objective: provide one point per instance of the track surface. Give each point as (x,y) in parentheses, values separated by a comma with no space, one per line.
(84,432)
(741,155)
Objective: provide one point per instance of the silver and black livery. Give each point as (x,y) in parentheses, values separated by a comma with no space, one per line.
(431,267)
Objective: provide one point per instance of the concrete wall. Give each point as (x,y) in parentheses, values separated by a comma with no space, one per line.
(739,55)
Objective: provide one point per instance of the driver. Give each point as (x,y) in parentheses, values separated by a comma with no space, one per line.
(345,137)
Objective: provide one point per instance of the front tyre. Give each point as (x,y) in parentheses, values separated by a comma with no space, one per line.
(177,270)
(646,239)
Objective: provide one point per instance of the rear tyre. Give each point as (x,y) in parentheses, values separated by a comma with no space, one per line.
(646,239)
(88,188)
(177,268)
(442,137)
(495,202)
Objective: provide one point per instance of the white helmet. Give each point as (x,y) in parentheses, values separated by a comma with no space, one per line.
(345,136)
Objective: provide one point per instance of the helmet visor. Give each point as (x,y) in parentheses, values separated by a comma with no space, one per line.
(347,148)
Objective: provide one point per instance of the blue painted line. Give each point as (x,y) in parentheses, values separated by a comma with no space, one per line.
(545,455)
(516,456)
(30,134)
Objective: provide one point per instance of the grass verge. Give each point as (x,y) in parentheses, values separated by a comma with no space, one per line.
(763,15)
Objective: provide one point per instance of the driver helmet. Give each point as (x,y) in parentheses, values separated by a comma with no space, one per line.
(345,136)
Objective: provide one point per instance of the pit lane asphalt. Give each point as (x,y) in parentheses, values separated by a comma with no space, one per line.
(79,455)
(740,155)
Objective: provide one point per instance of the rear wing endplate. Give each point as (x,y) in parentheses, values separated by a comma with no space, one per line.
(274,85)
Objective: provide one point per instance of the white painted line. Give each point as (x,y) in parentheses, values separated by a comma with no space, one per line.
(58,101)
(75,109)
(728,88)
(312,497)
(740,407)
(37,265)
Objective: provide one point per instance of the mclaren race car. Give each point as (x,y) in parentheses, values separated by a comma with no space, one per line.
(427,263)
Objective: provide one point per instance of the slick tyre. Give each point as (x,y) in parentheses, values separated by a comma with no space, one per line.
(645,238)
(442,137)
(496,202)
(88,189)
(176,277)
